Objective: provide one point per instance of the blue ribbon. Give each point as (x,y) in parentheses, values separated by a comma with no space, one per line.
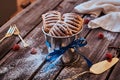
(51,57)
(47,44)
(89,63)
(56,54)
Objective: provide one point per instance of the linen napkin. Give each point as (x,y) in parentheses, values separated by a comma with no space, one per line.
(111,8)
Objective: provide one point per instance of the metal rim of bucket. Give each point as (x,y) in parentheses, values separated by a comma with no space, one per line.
(61,36)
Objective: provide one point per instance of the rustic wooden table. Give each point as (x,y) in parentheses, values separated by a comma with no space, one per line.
(22,65)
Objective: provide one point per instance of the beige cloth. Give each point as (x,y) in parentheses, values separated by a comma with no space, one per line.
(111,8)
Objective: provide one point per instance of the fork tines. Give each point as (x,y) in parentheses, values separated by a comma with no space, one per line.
(11,30)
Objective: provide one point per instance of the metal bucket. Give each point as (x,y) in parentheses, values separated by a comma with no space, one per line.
(55,42)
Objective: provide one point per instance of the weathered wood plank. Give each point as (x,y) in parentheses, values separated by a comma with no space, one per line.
(100,52)
(48,72)
(95,50)
(21,64)
(26,21)
(115,73)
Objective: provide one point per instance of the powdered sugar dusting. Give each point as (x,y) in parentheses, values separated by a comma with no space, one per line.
(109,36)
(30,41)
(24,65)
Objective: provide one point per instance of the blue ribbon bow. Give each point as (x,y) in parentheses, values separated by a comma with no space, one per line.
(57,53)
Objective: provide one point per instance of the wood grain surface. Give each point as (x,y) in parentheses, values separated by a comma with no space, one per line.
(22,65)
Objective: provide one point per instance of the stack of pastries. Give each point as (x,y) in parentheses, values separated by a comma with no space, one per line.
(56,25)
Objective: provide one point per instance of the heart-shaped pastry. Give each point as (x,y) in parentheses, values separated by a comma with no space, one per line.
(49,19)
(56,25)
(74,21)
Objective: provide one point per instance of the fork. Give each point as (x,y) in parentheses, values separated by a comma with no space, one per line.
(17,32)
(9,33)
